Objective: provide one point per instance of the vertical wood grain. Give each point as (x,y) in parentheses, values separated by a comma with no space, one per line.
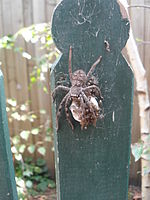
(147,38)
(43,98)
(136,15)
(2,53)
(20,63)
(10,60)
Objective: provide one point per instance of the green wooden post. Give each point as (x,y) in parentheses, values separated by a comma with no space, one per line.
(94,164)
(7,177)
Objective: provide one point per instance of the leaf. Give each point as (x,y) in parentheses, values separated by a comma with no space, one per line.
(29,184)
(14,150)
(137,150)
(22,148)
(31,149)
(25,135)
(48,139)
(18,157)
(33,79)
(51,184)
(27,173)
(16,116)
(42,111)
(16,139)
(37,170)
(26,55)
(42,186)
(20,182)
(146,170)
(38,72)
(23,107)
(40,162)
(45,89)
(35,131)
(12,102)
(42,150)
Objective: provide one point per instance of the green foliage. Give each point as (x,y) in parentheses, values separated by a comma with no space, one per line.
(137,150)
(21,142)
(36,34)
(32,178)
(142,150)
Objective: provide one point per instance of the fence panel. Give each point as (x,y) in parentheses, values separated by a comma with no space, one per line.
(92,163)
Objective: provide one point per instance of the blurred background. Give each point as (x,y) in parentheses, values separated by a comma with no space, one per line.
(26,55)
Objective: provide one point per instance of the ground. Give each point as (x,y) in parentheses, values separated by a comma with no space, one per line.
(134,194)
(48,195)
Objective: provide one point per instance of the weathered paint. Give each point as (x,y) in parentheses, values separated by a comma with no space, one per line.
(7,177)
(93,164)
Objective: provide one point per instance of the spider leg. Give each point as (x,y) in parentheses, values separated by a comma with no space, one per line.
(70,67)
(93,67)
(58,88)
(94,89)
(67,111)
(60,109)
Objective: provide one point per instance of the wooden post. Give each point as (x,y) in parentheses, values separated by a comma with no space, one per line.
(7,177)
(93,164)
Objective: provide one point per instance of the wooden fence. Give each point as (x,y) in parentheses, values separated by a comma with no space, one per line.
(17,14)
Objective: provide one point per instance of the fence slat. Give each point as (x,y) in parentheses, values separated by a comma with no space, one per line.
(147,46)
(94,163)
(10,60)
(20,63)
(43,102)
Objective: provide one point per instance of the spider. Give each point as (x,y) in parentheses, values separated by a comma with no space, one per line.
(83,89)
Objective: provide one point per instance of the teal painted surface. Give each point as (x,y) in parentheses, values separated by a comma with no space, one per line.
(94,164)
(7,177)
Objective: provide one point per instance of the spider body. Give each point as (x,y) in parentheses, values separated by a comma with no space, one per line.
(81,95)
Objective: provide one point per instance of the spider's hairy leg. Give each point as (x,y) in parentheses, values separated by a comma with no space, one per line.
(70,66)
(57,89)
(60,109)
(67,111)
(93,67)
(95,90)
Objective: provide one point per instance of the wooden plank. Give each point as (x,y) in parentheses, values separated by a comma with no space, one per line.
(3,59)
(28,21)
(20,63)
(147,38)
(43,98)
(49,6)
(7,180)
(93,163)
(137,22)
(10,60)
(2,53)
